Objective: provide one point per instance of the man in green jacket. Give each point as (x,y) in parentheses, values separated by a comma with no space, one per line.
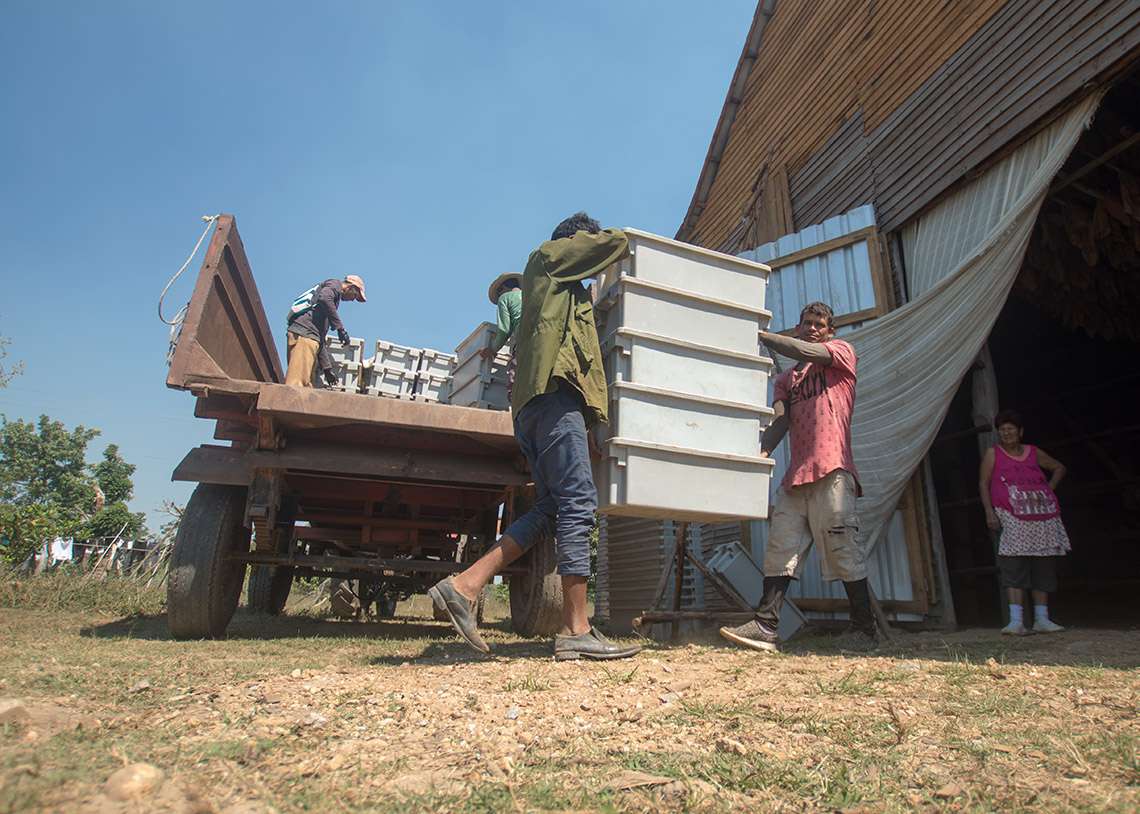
(559,392)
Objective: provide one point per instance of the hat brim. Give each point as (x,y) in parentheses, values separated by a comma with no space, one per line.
(502,278)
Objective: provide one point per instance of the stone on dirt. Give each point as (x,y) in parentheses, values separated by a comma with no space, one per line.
(13,711)
(418,783)
(134,781)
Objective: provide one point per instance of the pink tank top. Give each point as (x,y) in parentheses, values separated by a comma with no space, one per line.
(1020,487)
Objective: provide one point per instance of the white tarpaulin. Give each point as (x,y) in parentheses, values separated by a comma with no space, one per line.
(962,258)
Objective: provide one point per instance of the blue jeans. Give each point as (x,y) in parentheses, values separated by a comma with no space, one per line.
(551,431)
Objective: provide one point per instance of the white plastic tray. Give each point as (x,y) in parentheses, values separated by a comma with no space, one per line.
(658,361)
(657,259)
(658,416)
(650,480)
(681,315)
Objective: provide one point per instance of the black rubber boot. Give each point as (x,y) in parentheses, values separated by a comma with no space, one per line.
(862,617)
(768,614)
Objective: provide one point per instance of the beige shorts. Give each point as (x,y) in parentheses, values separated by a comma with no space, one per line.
(822,512)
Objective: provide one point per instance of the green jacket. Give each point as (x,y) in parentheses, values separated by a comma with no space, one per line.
(557,338)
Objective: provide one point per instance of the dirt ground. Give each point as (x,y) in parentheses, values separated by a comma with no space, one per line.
(304,714)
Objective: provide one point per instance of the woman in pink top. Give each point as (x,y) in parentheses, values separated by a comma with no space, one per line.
(1023,505)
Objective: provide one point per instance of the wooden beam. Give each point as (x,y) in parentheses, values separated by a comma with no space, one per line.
(1065,180)
(455,524)
(823,605)
(215,465)
(369,564)
(822,248)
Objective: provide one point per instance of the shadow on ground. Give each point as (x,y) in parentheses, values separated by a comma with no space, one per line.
(248,626)
(1117,649)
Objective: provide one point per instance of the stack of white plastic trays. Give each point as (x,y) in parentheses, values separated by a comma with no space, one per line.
(392,371)
(348,365)
(688,383)
(433,379)
(479,382)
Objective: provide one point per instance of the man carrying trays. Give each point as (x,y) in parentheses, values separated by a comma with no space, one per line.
(311,317)
(505,294)
(816,501)
(559,391)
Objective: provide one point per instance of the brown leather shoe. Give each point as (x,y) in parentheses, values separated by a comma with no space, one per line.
(591,645)
(460,610)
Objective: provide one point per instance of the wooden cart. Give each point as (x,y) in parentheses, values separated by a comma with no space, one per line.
(393,494)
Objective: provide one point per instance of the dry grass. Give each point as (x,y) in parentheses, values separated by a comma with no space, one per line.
(302,714)
(74,591)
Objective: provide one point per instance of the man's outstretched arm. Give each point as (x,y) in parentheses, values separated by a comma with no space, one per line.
(797,349)
(774,433)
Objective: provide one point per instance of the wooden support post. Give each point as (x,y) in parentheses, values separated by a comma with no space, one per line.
(679,573)
(880,617)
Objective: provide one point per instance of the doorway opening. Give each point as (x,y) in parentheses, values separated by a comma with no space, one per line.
(1066,355)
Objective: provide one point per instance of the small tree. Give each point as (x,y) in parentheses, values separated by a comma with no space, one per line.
(113,475)
(47,490)
(115,518)
(8,371)
(25,528)
(169,530)
(45,462)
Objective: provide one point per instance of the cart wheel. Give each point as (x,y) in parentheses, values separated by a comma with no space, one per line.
(536,598)
(204,587)
(386,606)
(268,588)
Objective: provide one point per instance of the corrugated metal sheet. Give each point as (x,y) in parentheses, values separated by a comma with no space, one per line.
(632,552)
(842,278)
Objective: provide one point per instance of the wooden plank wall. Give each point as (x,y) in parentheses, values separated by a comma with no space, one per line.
(836,179)
(892,101)
(1028,59)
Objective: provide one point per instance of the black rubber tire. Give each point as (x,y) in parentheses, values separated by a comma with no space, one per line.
(536,599)
(386,606)
(268,588)
(204,586)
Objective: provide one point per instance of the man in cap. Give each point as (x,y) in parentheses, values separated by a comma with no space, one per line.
(506,294)
(312,316)
(560,391)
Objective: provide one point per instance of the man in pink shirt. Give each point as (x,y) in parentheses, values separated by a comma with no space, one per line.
(816,501)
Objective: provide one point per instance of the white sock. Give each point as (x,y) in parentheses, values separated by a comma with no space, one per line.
(1041,613)
(1015,614)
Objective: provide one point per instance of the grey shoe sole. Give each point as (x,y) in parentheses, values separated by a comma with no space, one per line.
(755,644)
(438,600)
(575,655)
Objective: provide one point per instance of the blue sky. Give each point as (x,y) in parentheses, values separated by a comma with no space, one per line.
(426,146)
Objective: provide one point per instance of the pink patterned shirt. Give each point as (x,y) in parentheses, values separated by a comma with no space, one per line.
(819,400)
